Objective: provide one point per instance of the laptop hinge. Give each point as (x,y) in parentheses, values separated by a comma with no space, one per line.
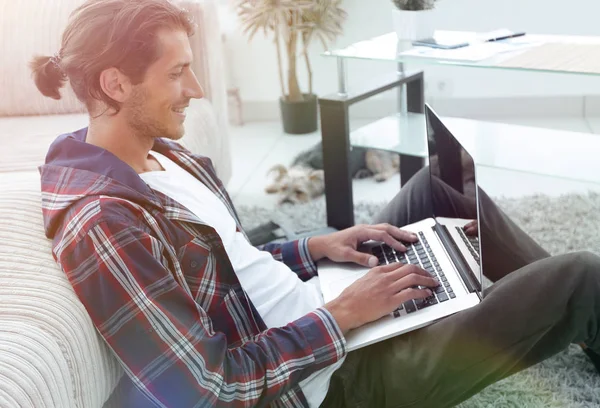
(457,258)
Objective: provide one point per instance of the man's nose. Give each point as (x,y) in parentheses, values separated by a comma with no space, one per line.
(193,88)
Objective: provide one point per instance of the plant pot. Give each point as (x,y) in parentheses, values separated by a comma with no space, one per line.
(413,25)
(299,117)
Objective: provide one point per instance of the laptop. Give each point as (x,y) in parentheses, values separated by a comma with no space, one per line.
(443,249)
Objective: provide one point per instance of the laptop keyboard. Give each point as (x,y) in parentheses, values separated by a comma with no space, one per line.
(418,253)
(472,243)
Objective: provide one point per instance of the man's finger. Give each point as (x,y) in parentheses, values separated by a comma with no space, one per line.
(361,258)
(410,294)
(414,280)
(406,270)
(397,233)
(470,224)
(390,267)
(379,233)
(382,235)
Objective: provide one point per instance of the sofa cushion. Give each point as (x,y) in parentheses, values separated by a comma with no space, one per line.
(26,30)
(50,352)
(25,140)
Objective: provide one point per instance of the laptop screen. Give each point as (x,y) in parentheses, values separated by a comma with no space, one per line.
(452,165)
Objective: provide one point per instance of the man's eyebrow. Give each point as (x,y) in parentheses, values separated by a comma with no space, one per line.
(180,65)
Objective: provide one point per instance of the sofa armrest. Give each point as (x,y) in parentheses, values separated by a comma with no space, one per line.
(50,352)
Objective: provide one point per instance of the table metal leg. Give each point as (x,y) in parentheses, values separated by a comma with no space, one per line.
(415,95)
(335,131)
(409,166)
(335,134)
(342,78)
(415,102)
(402,104)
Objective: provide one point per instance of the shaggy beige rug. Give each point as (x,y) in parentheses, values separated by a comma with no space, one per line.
(562,224)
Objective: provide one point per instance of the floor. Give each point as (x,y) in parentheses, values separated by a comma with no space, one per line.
(258,146)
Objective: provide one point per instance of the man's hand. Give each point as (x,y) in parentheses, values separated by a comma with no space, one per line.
(342,246)
(471,228)
(382,290)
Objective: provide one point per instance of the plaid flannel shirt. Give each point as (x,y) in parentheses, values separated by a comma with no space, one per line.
(161,291)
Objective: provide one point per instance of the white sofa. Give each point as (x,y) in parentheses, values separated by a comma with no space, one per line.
(50,353)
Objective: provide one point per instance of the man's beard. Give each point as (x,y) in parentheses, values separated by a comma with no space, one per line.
(146,125)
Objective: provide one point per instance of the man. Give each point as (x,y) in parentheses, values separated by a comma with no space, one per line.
(151,244)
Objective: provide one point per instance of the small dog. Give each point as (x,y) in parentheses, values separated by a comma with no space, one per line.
(305,179)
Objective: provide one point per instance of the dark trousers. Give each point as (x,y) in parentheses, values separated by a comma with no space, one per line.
(537,306)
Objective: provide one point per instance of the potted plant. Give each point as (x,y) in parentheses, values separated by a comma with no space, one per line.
(413,19)
(293,24)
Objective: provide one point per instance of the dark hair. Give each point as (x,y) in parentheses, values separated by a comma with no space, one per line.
(103,34)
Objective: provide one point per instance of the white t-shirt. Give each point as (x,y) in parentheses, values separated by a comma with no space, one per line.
(277,293)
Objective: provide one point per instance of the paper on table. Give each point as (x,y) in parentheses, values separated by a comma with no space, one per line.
(477,51)
(490,35)
(470,37)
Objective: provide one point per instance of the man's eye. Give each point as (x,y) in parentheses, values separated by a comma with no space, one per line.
(177,75)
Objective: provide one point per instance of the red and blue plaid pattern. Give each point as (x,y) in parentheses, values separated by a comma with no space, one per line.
(159,287)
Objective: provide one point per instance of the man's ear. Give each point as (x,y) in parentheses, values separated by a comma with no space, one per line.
(115,84)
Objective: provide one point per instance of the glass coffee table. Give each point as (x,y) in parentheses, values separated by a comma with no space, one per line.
(570,156)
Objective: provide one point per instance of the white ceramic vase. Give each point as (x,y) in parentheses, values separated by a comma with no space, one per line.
(413,25)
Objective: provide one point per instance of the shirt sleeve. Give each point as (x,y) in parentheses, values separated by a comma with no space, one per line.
(295,255)
(165,341)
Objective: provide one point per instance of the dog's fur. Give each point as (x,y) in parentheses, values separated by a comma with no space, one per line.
(305,179)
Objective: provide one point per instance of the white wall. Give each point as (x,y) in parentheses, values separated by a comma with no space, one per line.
(254,68)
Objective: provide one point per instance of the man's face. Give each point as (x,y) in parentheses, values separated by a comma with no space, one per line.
(156,106)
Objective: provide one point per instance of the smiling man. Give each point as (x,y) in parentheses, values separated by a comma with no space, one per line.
(149,239)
